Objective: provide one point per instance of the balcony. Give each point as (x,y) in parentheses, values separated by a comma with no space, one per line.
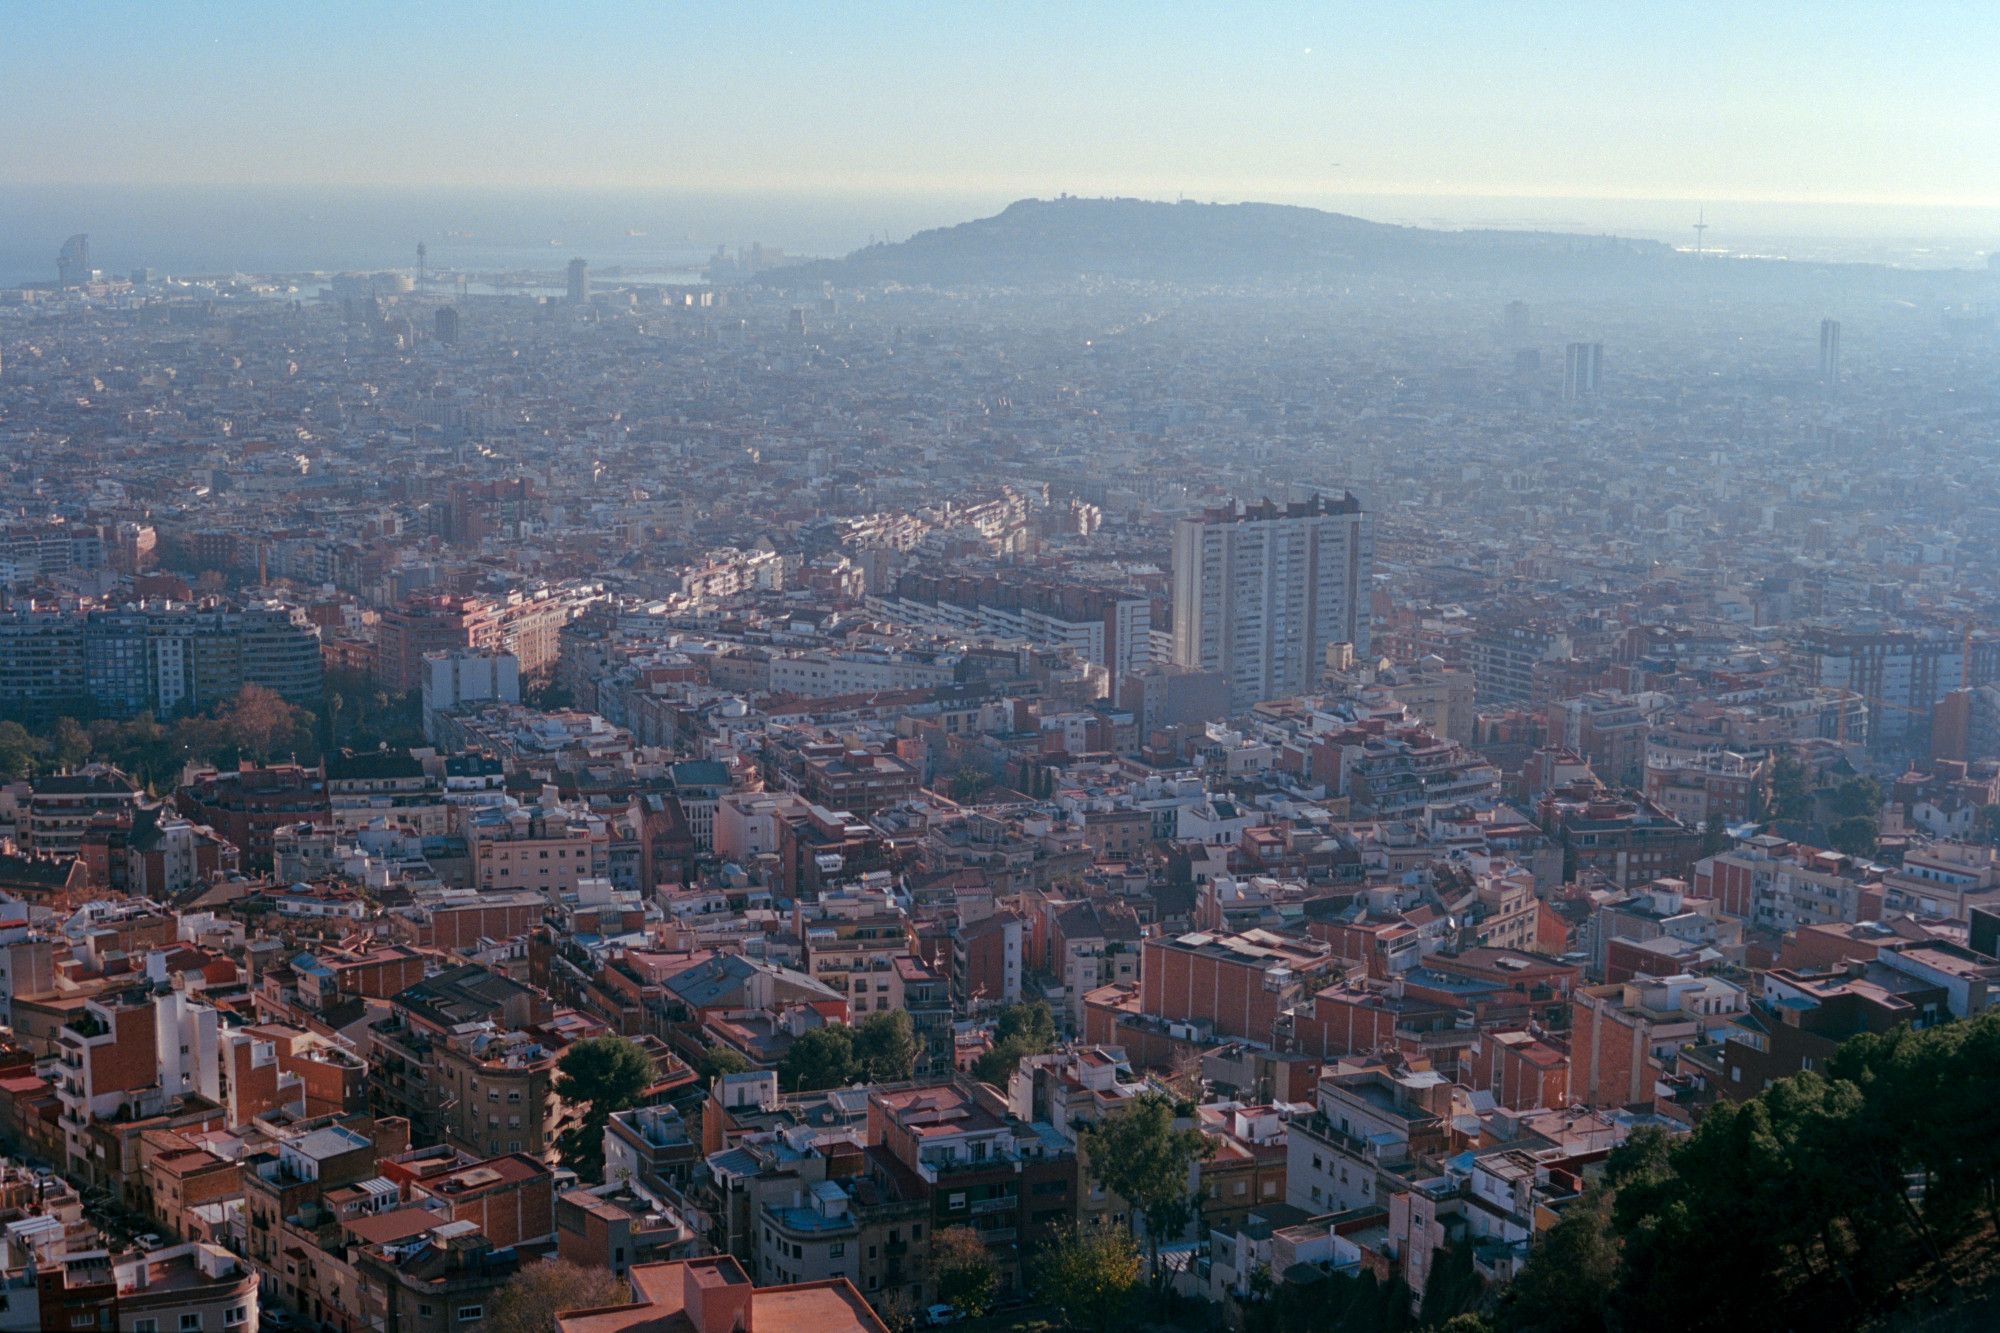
(1002,1204)
(952,1167)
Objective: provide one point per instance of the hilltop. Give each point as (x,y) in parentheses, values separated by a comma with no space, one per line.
(1058,242)
(1054,240)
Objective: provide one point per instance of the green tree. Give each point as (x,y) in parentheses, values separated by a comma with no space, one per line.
(1987,826)
(1452,1287)
(1333,1303)
(1566,1285)
(69,745)
(605,1075)
(19,751)
(886,1047)
(719,1060)
(1795,1209)
(1089,1274)
(1857,796)
(962,1272)
(821,1057)
(1021,1029)
(1854,835)
(1141,1156)
(1466,1323)
(1791,791)
(533,1297)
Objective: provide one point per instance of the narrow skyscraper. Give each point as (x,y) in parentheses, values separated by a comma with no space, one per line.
(73,264)
(1583,366)
(579,282)
(1829,354)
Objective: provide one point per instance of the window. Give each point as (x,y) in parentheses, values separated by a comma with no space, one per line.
(468,1313)
(145,1326)
(191,1323)
(837,1250)
(234,1315)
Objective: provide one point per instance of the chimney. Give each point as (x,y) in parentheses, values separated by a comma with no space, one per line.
(716,1295)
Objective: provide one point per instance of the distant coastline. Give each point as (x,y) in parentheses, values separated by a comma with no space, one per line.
(270,229)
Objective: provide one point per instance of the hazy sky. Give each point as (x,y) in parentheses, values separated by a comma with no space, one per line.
(1828,102)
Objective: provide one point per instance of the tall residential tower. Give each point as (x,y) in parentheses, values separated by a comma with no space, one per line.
(1259,592)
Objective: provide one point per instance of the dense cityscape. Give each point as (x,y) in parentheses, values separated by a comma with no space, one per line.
(1119,765)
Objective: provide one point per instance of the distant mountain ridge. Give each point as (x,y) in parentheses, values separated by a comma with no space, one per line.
(1055,240)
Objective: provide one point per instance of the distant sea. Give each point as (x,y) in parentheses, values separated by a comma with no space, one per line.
(196,231)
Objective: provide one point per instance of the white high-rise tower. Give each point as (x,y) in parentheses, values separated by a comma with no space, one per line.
(1259,592)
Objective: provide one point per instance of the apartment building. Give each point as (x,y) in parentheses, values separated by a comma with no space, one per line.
(1009,1183)
(547,848)
(1230,985)
(163,658)
(1624,1037)
(1260,592)
(62,807)
(456,1060)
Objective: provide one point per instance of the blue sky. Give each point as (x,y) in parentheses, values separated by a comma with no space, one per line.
(1828,102)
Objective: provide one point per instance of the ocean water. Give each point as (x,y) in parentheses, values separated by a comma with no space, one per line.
(206,230)
(210,230)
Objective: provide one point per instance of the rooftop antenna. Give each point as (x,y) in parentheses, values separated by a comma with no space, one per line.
(1700,226)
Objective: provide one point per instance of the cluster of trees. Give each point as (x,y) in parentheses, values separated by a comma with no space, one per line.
(967,784)
(1821,1203)
(1336,1303)
(1826,1202)
(1021,1029)
(605,1075)
(361,715)
(1092,1276)
(1852,807)
(257,724)
(882,1048)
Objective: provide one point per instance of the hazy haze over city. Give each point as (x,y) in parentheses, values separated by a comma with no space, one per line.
(1032,668)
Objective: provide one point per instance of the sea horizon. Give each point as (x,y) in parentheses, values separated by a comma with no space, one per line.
(201,230)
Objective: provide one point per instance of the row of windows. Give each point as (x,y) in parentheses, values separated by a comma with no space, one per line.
(234,1317)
